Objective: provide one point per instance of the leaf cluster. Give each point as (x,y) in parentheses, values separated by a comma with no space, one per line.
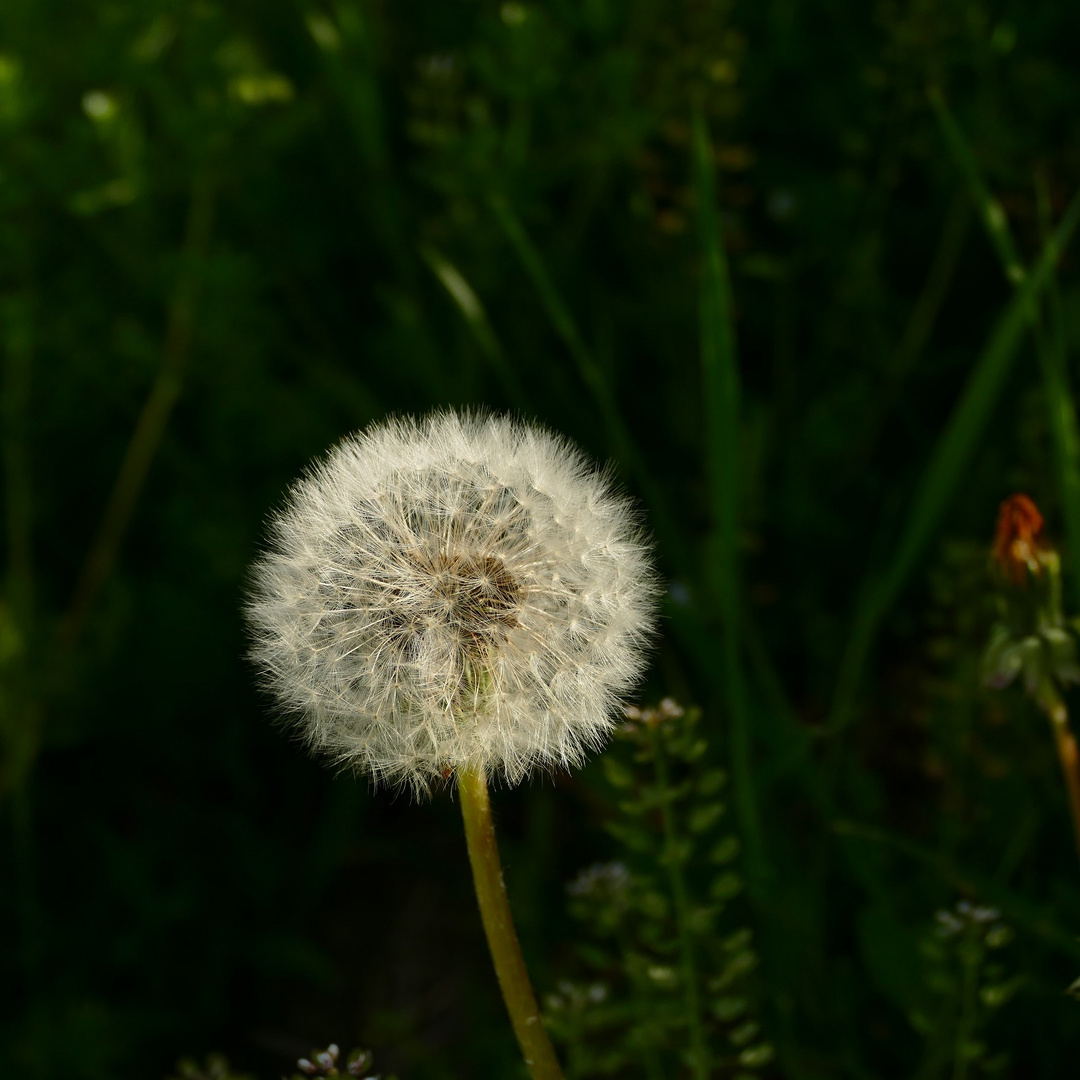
(666,984)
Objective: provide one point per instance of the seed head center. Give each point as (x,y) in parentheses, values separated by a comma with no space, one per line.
(475,595)
(466,598)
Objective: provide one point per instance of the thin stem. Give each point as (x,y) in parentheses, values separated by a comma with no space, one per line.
(502,939)
(150,427)
(619,435)
(1070,761)
(966,1023)
(672,858)
(30,923)
(721,394)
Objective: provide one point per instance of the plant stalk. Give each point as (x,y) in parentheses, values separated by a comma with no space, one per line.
(699,1052)
(1070,761)
(502,939)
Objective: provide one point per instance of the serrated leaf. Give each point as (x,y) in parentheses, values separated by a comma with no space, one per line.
(677,852)
(744,1033)
(726,886)
(632,807)
(593,955)
(617,774)
(695,750)
(701,918)
(738,941)
(630,837)
(703,818)
(735,968)
(728,1008)
(711,781)
(726,850)
(755,1056)
(995,995)
(653,904)
(663,976)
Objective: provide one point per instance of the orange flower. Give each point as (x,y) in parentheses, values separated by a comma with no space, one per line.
(1018,541)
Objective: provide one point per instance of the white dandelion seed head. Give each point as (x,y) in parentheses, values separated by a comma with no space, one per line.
(456,591)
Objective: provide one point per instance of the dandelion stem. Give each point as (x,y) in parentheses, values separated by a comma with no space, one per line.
(1070,761)
(502,939)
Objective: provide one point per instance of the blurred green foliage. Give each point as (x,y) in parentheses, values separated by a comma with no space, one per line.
(795,269)
(668,981)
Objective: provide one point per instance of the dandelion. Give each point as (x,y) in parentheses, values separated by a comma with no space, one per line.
(462,595)
(456,592)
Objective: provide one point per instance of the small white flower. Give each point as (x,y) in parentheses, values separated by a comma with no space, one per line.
(459,591)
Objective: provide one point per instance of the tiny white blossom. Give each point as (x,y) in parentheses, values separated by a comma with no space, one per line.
(458,591)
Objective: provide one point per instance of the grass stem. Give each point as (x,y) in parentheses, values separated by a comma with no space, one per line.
(965,1027)
(721,393)
(150,427)
(673,861)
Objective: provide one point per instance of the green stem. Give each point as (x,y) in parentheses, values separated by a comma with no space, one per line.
(150,427)
(966,1025)
(30,925)
(502,939)
(721,394)
(673,861)
(1069,757)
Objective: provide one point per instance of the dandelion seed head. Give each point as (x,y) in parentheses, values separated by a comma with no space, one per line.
(457,591)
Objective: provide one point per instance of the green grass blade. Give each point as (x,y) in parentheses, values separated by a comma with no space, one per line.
(557,311)
(1050,344)
(721,391)
(472,310)
(618,434)
(720,381)
(1053,353)
(149,431)
(942,475)
(1038,920)
(17,337)
(990,210)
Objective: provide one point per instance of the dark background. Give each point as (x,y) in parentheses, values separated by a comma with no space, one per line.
(232,233)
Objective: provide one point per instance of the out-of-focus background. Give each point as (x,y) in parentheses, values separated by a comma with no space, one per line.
(767,260)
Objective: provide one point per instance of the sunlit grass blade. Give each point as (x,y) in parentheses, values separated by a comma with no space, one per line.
(924,313)
(1049,343)
(990,209)
(1060,402)
(150,427)
(19,715)
(591,375)
(945,469)
(721,391)
(472,310)
(18,507)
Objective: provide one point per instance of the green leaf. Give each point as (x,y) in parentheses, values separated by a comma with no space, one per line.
(726,850)
(616,773)
(703,818)
(726,886)
(730,1007)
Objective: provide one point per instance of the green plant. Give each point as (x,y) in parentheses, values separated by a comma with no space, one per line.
(666,983)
